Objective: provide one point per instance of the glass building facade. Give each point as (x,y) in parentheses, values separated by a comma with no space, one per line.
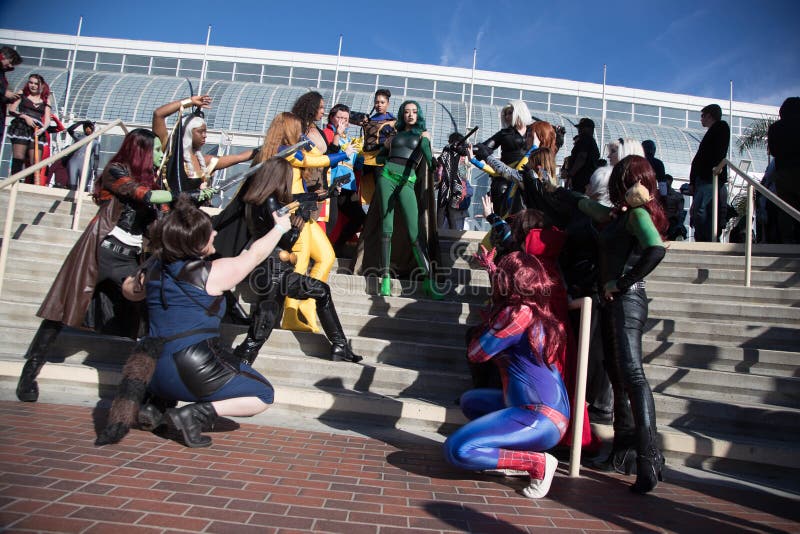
(128,79)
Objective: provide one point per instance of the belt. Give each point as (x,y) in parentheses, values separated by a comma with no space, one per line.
(558,418)
(119,248)
(638,285)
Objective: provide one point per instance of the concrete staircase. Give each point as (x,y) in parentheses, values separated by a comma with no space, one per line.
(723,360)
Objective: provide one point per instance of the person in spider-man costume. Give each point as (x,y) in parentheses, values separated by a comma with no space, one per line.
(509,427)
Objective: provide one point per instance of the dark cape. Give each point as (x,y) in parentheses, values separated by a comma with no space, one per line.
(231,226)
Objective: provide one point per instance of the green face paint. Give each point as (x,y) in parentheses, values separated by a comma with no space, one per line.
(158,152)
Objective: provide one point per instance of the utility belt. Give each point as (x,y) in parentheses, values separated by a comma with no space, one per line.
(115,245)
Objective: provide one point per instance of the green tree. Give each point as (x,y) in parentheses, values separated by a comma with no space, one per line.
(755,136)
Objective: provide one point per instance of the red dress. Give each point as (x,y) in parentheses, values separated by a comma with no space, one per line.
(546,245)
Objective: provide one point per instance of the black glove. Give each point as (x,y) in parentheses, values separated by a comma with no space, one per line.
(256,151)
(481,151)
(648,260)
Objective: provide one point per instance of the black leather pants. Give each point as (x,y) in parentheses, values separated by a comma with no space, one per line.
(623,321)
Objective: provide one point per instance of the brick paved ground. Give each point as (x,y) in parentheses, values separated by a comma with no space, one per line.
(266,479)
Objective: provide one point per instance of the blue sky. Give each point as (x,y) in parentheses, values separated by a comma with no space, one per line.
(677,46)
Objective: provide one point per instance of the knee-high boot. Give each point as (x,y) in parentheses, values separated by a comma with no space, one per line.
(27,388)
(266,315)
(649,460)
(340,347)
(386,280)
(421,256)
(17,165)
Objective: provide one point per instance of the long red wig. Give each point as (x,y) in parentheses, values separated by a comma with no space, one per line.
(625,174)
(521,280)
(136,153)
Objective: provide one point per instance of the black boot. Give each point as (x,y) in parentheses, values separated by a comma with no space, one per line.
(266,312)
(191,419)
(27,388)
(340,347)
(151,412)
(649,467)
(236,312)
(247,350)
(622,458)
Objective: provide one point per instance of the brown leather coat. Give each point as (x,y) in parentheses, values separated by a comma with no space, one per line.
(72,290)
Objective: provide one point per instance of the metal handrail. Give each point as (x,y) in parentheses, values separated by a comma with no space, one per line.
(12,182)
(752,183)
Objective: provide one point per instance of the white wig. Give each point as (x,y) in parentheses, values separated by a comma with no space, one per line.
(630,147)
(188,129)
(597,189)
(521,116)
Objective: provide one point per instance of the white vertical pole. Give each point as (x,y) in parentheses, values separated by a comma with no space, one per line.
(203,68)
(336,72)
(471,88)
(580,385)
(67,111)
(603,116)
(730,141)
(748,244)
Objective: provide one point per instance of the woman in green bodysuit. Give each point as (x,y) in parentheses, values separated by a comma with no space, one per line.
(395,189)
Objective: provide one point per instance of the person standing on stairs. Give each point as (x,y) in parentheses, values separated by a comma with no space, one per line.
(404,189)
(308,177)
(630,246)
(86,292)
(28,131)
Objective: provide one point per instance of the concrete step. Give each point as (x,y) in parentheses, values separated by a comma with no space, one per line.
(419,369)
(722,386)
(729,358)
(464,273)
(664,328)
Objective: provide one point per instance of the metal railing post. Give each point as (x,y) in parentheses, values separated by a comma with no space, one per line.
(769,195)
(748,243)
(12,201)
(79,194)
(585,305)
(714,208)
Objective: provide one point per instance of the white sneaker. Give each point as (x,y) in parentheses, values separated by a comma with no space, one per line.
(539,488)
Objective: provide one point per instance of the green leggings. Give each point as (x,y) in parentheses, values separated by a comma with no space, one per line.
(394,188)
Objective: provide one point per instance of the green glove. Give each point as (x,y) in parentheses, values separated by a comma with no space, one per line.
(159,197)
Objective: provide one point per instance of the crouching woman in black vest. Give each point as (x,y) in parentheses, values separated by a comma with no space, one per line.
(184,294)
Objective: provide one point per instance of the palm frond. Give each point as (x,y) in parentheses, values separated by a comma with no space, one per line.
(755,135)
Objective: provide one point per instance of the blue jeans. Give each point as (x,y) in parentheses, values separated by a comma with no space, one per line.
(701,209)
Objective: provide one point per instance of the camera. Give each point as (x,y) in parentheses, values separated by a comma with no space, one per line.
(358,119)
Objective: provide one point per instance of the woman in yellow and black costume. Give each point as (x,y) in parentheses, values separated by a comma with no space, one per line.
(286,130)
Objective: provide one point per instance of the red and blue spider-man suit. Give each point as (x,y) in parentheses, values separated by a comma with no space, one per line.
(531,412)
